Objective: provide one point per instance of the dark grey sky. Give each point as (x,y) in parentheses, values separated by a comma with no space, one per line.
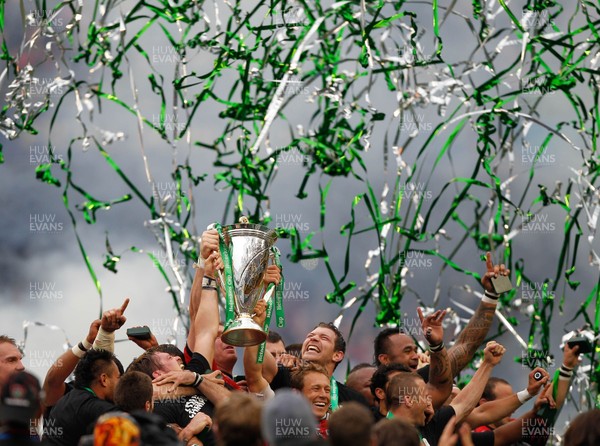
(43,275)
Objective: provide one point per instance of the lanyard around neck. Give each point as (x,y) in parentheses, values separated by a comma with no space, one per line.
(334,394)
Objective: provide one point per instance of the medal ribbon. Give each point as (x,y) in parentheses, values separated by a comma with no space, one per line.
(334,394)
(278,304)
(228,273)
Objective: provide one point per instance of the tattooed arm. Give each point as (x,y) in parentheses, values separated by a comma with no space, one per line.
(440,377)
(474,334)
(462,352)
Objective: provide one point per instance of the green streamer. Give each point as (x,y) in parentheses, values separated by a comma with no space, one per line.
(228,273)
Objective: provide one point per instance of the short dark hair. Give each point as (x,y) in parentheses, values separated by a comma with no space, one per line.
(339,344)
(297,377)
(119,365)
(7,339)
(171,349)
(584,429)
(132,391)
(93,364)
(239,427)
(382,344)
(387,432)
(146,362)
(357,367)
(351,425)
(382,374)
(274,337)
(294,350)
(488,391)
(400,383)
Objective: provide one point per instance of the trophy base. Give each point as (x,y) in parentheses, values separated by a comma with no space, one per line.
(243,332)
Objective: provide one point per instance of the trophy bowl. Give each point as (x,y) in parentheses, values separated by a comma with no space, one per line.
(249,246)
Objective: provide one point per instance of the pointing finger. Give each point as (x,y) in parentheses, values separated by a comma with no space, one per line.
(488,261)
(124,306)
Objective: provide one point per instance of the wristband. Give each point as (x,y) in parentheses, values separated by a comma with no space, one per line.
(78,351)
(565,373)
(437,348)
(207,287)
(198,380)
(523,396)
(208,281)
(489,297)
(105,340)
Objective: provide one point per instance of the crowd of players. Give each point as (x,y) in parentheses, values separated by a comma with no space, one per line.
(169,396)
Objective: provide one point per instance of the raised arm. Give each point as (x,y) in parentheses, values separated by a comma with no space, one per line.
(529,427)
(492,411)
(567,369)
(253,371)
(259,376)
(468,397)
(469,340)
(111,321)
(440,373)
(54,383)
(205,325)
